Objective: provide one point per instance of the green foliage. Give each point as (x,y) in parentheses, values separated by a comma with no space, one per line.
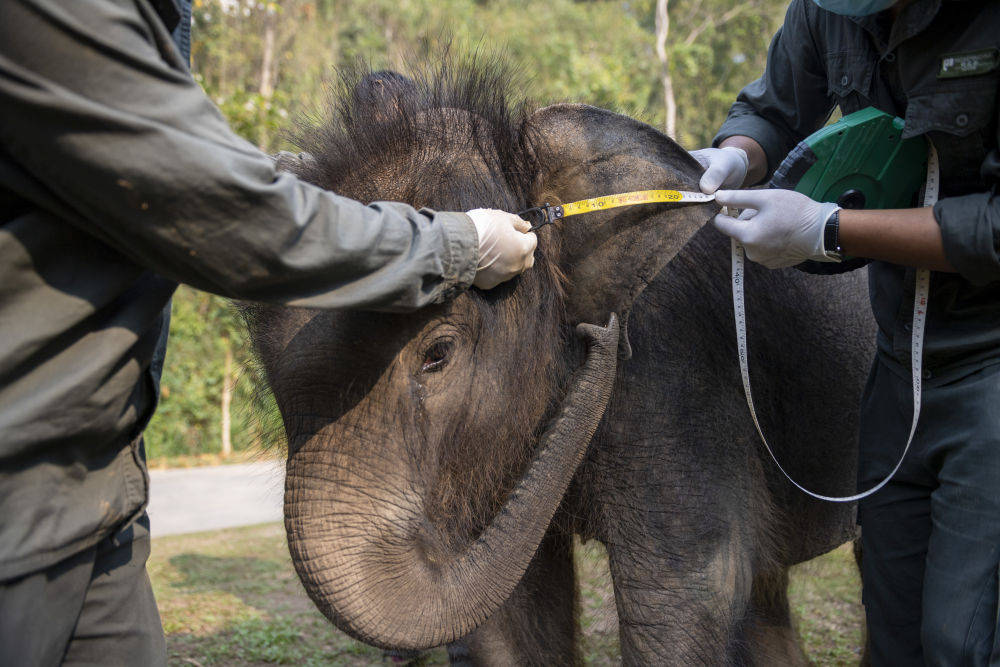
(266,63)
(188,419)
(599,52)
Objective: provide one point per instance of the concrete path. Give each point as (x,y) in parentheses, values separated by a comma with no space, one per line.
(189,500)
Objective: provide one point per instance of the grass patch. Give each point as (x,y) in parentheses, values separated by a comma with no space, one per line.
(232,598)
(825,595)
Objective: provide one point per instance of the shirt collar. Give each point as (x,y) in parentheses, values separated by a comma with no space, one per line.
(912,20)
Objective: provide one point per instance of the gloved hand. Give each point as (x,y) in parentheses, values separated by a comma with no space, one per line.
(724,167)
(506,247)
(779,228)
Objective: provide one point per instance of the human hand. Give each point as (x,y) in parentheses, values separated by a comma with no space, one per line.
(778,228)
(724,167)
(506,246)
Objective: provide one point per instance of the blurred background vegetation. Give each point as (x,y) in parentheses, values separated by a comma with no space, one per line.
(676,64)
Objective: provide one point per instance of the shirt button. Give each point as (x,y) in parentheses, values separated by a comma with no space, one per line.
(844,80)
(890,57)
(927,375)
(962,120)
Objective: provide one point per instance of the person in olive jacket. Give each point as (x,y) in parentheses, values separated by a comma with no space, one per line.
(118,180)
(931,537)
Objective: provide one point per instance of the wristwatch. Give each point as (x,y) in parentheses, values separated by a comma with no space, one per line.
(831,238)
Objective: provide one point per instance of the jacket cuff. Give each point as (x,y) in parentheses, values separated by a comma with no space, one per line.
(744,121)
(970,232)
(461,253)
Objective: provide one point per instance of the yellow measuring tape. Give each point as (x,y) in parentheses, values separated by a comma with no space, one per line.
(547,214)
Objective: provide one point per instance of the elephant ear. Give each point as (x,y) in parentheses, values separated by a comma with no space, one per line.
(609,256)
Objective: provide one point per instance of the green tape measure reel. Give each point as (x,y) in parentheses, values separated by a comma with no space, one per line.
(861,161)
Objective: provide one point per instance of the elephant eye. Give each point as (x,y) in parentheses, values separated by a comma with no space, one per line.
(436,356)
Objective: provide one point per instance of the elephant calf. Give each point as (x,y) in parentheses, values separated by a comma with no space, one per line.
(439,462)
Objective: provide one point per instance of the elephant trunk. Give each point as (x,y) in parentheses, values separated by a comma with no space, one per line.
(360,556)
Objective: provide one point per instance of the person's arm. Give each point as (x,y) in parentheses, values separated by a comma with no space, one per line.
(97,107)
(783,227)
(908,237)
(756,158)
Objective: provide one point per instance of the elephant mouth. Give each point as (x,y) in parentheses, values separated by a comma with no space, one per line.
(360,557)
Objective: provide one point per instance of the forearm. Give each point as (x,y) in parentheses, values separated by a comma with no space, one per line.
(755,153)
(908,237)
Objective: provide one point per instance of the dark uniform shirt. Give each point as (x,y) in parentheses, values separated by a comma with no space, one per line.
(118,180)
(938,67)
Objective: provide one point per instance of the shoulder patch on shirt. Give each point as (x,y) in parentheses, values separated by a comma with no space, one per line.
(969,63)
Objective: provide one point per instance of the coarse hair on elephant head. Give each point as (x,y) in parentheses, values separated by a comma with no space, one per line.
(429,451)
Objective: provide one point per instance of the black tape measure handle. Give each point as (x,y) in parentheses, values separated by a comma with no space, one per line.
(793,167)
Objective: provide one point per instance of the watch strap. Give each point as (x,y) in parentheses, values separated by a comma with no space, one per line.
(831,237)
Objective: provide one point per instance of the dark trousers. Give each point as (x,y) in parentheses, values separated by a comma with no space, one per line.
(931,537)
(94,608)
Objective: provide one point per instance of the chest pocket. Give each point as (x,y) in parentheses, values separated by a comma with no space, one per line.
(960,117)
(849,80)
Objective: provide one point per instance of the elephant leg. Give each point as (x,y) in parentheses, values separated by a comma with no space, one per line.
(537,625)
(770,637)
(682,608)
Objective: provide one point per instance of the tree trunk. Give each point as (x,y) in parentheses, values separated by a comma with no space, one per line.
(662,30)
(266,87)
(227,398)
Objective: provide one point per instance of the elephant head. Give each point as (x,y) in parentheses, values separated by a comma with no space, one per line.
(428,452)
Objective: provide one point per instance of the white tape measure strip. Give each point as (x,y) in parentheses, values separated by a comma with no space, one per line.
(923,280)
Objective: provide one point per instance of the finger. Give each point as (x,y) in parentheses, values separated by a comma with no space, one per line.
(730,226)
(520,224)
(530,262)
(711,180)
(754,199)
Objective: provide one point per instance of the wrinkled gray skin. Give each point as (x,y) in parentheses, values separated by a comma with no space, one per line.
(639,439)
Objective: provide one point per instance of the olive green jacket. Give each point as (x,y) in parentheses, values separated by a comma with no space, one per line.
(118,180)
(938,67)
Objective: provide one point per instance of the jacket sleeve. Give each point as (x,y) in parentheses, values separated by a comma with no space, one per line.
(970,228)
(97,105)
(790,101)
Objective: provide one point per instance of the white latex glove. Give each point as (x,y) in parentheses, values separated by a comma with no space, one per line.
(724,167)
(779,228)
(506,247)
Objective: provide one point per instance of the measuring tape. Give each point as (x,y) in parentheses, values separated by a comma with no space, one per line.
(548,214)
(923,280)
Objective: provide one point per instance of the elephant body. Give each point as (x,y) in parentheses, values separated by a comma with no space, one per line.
(699,524)
(426,506)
